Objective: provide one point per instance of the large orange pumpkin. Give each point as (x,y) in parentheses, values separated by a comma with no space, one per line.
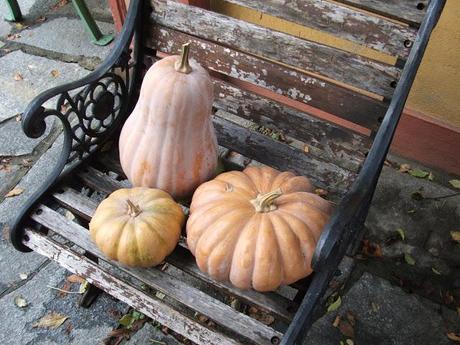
(137,226)
(257,228)
(168,142)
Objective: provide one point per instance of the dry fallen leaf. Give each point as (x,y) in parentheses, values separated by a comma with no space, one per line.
(321,192)
(419,173)
(40,19)
(306,149)
(52,321)
(401,233)
(14,192)
(55,73)
(73,278)
(372,249)
(404,168)
(455,183)
(346,329)
(336,321)
(18,77)
(20,301)
(454,337)
(69,215)
(61,3)
(409,259)
(455,236)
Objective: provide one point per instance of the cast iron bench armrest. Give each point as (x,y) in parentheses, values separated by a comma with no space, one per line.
(349,214)
(109,89)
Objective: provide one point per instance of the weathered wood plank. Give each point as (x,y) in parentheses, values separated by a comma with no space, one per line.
(408,11)
(195,299)
(333,63)
(288,82)
(123,291)
(323,139)
(371,31)
(184,260)
(283,156)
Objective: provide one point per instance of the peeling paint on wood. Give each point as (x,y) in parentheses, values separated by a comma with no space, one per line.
(408,11)
(93,273)
(362,28)
(325,140)
(333,63)
(285,81)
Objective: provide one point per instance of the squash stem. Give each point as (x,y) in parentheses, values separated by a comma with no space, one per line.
(133,210)
(183,65)
(265,202)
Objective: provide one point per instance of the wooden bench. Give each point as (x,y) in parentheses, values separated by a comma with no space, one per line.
(253,128)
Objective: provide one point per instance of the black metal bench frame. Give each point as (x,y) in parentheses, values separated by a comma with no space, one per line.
(111,92)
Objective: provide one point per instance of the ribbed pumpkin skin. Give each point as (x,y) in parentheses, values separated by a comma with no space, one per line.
(168,142)
(140,241)
(232,242)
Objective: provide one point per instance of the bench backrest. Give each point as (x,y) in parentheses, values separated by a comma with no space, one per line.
(335,81)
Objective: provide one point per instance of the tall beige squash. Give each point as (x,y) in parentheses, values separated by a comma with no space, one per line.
(168,142)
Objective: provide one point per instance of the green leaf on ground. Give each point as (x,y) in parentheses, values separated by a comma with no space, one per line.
(401,233)
(435,271)
(455,183)
(419,173)
(335,305)
(409,259)
(126,320)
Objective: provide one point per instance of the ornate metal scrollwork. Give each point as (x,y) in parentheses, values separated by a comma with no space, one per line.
(90,110)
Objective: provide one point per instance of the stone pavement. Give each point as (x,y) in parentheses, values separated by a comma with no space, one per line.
(403,286)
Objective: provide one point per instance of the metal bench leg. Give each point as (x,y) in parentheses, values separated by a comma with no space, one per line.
(96,36)
(14,12)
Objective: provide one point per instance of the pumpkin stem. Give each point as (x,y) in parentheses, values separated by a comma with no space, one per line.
(183,65)
(133,210)
(265,202)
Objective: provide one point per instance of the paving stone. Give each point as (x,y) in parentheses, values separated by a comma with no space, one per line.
(98,8)
(13,263)
(13,141)
(5,28)
(66,36)
(84,326)
(31,181)
(30,8)
(426,223)
(385,315)
(148,333)
(36,74)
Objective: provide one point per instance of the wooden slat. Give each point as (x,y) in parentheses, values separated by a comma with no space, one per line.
(323,139)
(184,260)
(123,291)
(362,28)
(333,63)
(283,156)
(288,82)
(195,299)
(404,10)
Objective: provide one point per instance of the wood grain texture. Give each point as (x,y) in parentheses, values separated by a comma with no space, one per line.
(94,274)
(184,260)
(323,139)
(195,299)
(333,63)
(408,11)
(361,28)
(288,82)
(283,156)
